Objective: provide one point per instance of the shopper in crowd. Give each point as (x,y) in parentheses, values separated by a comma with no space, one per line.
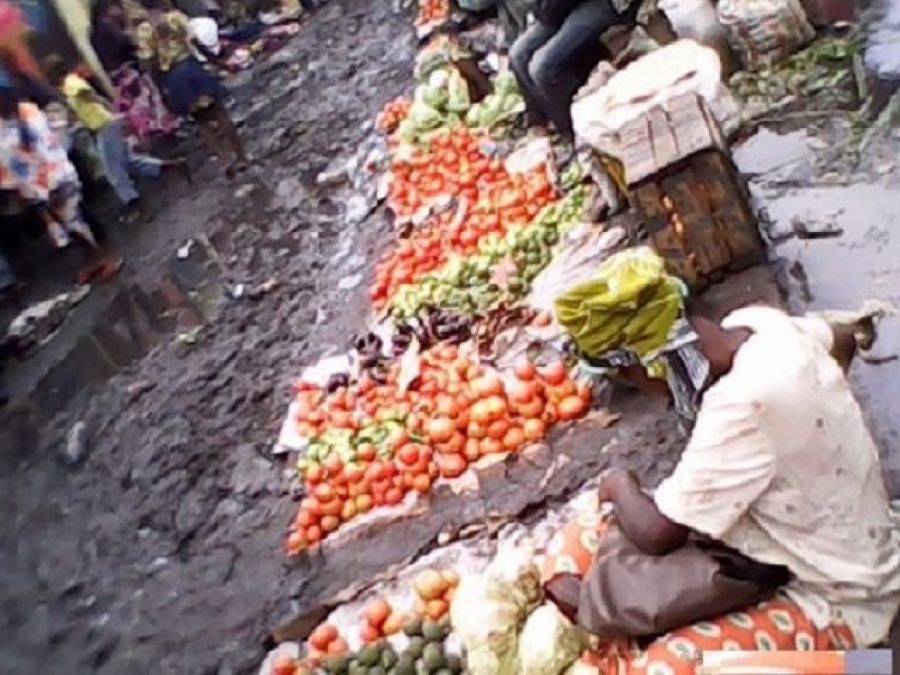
(780,473)
(166,44)
(554,57)
(97,116)
(136,94)
(34,164)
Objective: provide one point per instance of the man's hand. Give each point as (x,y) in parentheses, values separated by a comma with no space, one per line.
(638,515)
(613,482)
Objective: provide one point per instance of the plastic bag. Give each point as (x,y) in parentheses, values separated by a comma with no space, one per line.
(764,32)
(549,643)
(630,303)
(488,611)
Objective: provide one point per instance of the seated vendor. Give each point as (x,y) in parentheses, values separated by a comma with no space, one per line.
(781,469)
(555,56)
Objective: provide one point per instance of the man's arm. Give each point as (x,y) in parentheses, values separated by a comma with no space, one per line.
(640,519)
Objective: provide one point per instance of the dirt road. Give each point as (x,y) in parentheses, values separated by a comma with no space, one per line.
(161,548)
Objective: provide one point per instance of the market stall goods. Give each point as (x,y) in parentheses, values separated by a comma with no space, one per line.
(372,444)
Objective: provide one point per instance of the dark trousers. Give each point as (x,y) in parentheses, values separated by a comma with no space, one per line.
(552,63)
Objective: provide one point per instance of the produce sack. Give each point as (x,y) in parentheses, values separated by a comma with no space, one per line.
(610,100)
(764,32)
(631,303)
(549,643)
(488,610)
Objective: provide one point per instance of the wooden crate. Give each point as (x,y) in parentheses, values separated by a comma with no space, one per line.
(697,215)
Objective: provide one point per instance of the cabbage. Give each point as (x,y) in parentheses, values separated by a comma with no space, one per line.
(424,117)
(473,115)
(458,91)
(438,79)
(505,83)
(549,643)
(406,131)
(489,609)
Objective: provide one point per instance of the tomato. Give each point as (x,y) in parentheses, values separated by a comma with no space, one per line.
(437,608)
(497,429)
(479,413)
(532,408)
(337,646)
(306,518)
(554,374)
(472,450)
(323,635)
(534,429)
(409,454)
(366,452)
(397,439)
(447,406)
(489,385)
(572,407)
(331,508)
(421,483)
(348,512)
(525,369)
(333,465)
(313,534)
(496,406)
(441,429)
(314,474)
(330,523)
(513,439)
(324,492)
(451,466)
(296,542)
(393,496)
(363,503)
(368,634)
(521,392)
(377,611)
(491,446)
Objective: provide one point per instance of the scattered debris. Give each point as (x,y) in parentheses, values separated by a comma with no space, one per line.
(76,444)
(184,252)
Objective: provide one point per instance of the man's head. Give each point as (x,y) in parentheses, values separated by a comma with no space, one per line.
(719,345)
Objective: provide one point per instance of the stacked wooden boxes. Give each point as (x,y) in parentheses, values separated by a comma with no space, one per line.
(690,202)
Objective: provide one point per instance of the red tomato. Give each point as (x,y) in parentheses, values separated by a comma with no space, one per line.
(323,635)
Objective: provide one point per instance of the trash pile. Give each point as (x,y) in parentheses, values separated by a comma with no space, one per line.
(468,356)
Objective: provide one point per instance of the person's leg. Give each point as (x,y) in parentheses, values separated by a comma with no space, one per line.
(561,67)
(227,128)
(114,156)
(520,55)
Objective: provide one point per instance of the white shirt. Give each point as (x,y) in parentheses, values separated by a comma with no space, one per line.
(781,467)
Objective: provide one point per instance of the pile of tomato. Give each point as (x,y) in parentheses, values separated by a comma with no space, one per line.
(394,112)
(494,200)
(455,413)
(432,11)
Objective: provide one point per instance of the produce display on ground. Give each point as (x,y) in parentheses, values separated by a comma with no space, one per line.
(415,404)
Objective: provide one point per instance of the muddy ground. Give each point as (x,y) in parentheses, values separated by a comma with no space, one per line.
(160,547)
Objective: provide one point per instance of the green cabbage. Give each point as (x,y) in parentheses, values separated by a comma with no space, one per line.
(549,643)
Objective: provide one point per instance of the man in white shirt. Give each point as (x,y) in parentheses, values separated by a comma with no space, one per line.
(781,468)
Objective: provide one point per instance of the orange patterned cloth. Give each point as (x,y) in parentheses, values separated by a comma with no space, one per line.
(774,625)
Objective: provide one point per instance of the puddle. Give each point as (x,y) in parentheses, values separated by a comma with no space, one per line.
(839,272)
(771,153)
(882,57)
(115,326)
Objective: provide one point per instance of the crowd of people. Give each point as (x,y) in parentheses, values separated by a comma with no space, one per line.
(66,129)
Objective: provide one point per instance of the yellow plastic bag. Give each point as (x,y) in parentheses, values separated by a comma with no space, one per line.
(631,304)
